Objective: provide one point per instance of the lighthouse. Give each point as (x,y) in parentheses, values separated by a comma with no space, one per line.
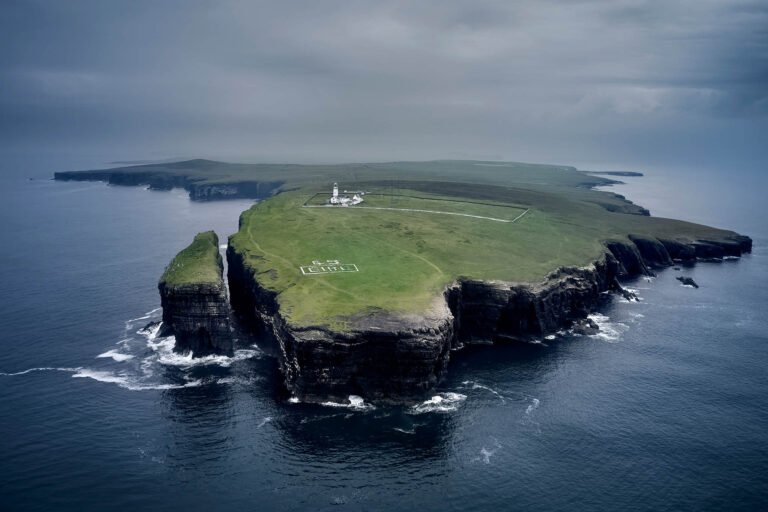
(344,200)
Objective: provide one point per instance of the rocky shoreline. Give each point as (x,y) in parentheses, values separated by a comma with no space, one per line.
(396,358)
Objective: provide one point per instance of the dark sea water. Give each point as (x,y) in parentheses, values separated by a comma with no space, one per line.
(666,409)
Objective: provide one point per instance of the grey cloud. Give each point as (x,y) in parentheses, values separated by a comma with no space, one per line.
(546,80)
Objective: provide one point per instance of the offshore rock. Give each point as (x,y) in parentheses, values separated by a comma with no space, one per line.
(687,281)
(197,312)
(586,327)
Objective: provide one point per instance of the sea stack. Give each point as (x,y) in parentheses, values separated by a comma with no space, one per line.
(194,299)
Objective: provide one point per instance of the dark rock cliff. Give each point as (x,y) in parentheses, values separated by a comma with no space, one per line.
(197,314)
(396,358)
(199,190)
(381,356)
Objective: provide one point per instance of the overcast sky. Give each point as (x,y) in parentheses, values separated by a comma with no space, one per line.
(585,82)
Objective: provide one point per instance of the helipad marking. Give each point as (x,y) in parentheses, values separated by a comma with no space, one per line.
(327,267)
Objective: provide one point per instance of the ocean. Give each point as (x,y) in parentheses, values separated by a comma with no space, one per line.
(665,409)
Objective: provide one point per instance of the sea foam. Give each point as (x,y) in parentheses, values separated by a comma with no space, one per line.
(610,332)
(355,403)
(114,354)
(442,402)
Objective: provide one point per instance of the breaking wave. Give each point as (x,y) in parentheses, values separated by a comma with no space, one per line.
(40,369)
(474,385)
(442,402)
(355,403)
(131,382)
(142,352)
(610,332)
(114,354)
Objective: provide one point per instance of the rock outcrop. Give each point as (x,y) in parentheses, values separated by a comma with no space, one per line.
(687,281)
(195,307)
(387,357)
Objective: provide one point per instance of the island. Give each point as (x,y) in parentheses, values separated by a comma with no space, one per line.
(368,277)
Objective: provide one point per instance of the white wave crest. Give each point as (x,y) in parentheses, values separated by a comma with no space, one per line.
(442,402)
(355,402)
(610,332)
(163,348)
(264,421)
(145,316)
(129,382)
(151,333)
(498,395)
(40,369)
(533,406)
(114,354)
(170,358)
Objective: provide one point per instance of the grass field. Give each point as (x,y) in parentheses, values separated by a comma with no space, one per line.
(406,258)
(200,262)
(401,200)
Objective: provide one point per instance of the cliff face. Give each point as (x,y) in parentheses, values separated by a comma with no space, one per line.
(398,358)
(381,356)
(497,311)
(199,190)
(198,316)
(194,299)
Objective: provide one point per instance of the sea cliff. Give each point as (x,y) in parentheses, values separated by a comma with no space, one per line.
(194,299)
(386,357)
(179,175)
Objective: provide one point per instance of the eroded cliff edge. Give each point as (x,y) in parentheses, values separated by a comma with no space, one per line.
(194,299)
(386,357)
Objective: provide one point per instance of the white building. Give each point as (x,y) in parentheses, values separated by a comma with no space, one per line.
(345,200)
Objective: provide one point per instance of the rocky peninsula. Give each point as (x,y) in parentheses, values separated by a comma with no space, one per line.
(373,300)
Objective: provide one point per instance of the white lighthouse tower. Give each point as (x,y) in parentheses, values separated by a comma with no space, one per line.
(335,196)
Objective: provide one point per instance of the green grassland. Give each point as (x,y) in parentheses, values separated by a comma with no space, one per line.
(405,258)
(198,263)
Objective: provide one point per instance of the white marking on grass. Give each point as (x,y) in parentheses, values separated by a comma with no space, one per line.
(327,267)
(521,215)
(427,211)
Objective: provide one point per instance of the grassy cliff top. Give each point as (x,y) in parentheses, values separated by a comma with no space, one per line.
(399,249)
(198,263)
(422,225)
